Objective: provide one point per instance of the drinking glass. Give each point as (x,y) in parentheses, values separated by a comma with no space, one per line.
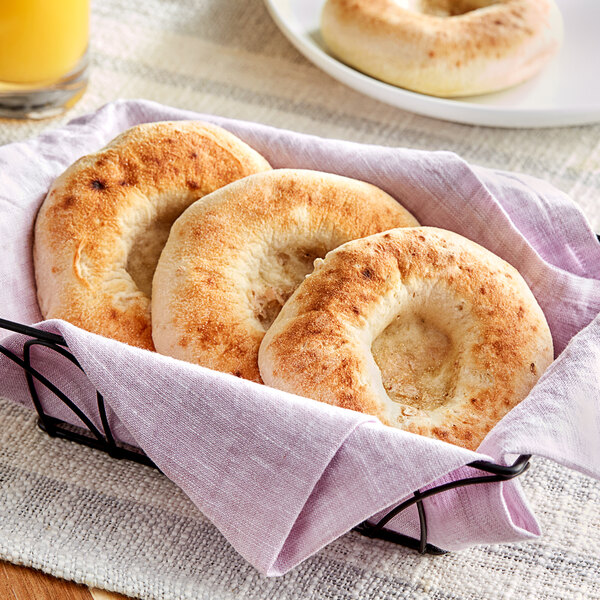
(43,56)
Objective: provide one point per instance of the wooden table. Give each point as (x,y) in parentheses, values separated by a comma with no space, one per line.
(21,583)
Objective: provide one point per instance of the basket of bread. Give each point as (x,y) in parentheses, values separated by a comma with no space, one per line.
(302,332)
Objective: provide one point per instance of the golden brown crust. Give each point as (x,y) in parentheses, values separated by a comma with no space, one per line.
(118,202)
(321,344)
(234,258)
(444,47)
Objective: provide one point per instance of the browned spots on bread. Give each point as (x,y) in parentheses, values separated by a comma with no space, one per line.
(244,249)
(68,202)
(88,224)
(323,322)
(444,47)
(97,184)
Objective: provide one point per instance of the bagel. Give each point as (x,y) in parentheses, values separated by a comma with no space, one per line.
(444,47)
(234,258)
(420,327)
(102,226)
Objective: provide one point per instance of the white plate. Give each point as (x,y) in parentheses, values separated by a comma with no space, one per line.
(566,92)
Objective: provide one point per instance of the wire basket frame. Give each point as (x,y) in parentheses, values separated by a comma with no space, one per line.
(101,438)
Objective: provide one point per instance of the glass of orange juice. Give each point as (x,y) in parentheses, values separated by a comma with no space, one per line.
(43,56)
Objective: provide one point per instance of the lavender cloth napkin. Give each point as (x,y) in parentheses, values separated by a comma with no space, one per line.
(279,475)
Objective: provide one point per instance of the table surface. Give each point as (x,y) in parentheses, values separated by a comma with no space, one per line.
(21,583)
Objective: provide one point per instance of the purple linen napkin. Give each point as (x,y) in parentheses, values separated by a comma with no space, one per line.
(280,475)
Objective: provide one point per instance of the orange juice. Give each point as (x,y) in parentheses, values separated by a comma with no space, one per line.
(41,40)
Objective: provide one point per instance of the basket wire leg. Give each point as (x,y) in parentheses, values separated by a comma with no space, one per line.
(30,373)
(422,523)
(106,437)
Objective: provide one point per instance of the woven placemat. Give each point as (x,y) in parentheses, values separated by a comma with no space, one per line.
(79,514)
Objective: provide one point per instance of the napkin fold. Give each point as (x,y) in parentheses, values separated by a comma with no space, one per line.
(279,475)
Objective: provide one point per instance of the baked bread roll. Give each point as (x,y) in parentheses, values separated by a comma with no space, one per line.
(234,258)
(444,47)
(420,327)
(101,229)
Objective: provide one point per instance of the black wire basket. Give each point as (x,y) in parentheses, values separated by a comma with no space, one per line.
(102,438)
